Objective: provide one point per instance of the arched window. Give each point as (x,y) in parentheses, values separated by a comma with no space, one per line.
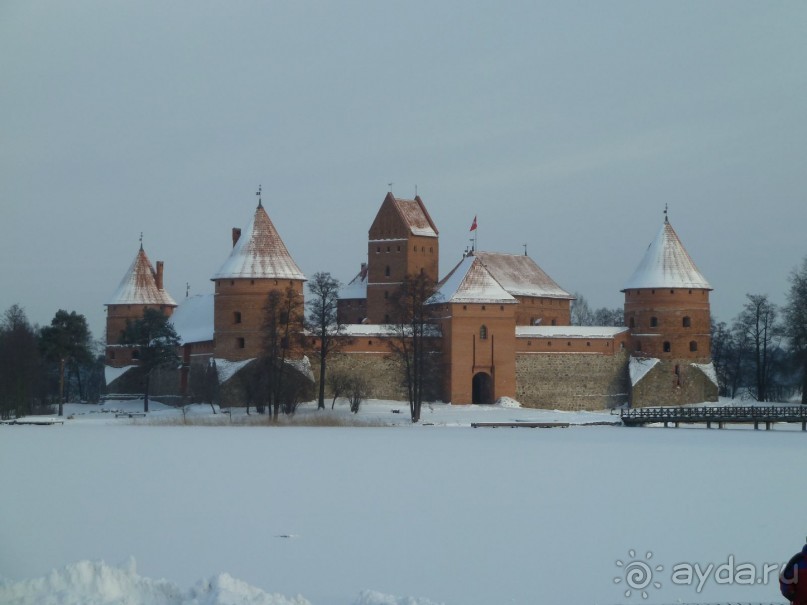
(483,333)
(686,322)
(693,345)
(667,346)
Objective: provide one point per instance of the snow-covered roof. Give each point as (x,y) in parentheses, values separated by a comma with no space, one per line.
(569,331)
(414,214)
(470,282)
(193,319)
(666,264)
(520,275)
(356,287)
(383,330)
(139,285)
(260,253)
(638,367)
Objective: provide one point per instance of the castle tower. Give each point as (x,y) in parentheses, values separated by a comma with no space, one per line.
(668,314)
(403,240)
(477,319)
(140,289)
(258,264)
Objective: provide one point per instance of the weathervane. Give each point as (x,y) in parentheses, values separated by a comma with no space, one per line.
(666,218)
(390,186)
(258,193)
(141,240)
(525,249)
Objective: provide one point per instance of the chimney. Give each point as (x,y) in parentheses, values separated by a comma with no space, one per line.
(159,276)
(236,235)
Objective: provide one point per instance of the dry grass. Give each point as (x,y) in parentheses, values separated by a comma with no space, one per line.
(315,419)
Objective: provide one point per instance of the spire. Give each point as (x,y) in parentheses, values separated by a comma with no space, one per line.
(666,264)
(140,285)
(259,253)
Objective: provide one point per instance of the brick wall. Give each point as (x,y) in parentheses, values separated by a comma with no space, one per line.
(572,381)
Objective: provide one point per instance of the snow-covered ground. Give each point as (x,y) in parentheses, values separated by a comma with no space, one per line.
(119,510)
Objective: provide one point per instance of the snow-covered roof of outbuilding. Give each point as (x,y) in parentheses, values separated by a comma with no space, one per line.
(356,287)
(666,264)
(520,275)
(139,285)
(259,253)
(569,331)
(470,282)
(193,319)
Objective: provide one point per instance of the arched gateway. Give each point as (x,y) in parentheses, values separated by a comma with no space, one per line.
(482,388)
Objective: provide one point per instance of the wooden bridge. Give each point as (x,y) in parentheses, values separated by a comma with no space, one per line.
(720,416)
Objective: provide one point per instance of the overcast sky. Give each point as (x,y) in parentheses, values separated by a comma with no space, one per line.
(565,125)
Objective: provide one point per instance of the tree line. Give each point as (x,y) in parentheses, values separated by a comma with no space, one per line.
(42,367)
(762,353)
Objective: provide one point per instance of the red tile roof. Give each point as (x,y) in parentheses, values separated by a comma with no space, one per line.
(139,285)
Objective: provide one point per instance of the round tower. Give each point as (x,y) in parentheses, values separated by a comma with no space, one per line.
(259,264)
(667,303)
(140,289)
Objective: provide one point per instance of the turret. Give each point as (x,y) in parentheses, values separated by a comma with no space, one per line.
(140,289)
(667,302)
(259,263)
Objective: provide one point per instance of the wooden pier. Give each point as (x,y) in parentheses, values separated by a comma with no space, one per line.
(720,416)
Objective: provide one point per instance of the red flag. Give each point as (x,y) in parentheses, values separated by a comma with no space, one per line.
(473,225)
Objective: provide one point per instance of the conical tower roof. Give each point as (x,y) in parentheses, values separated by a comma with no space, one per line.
(260,253)
(139,285)
(666,264)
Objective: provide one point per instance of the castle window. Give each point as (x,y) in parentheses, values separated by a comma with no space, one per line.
(568,343)
(112,354)
(252,282)
(652,291)
(387,271)
(237,317)
(483,333)
(386,319)
(240,343)
(554,322)
(549,343)
(232,282)
(653,322)
(501,307)
(529,343)
(464,307)
(135,354)
(588,344)
(423,248)
(678,375)
(693,345)
(388,248)
(632,322)
(415,249)
(399,248)
(667,346)
(483,307)
(687,322)
(275,282)
(369,342)
(431,249)
(690,291)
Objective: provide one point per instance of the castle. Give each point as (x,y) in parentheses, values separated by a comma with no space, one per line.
(502,325)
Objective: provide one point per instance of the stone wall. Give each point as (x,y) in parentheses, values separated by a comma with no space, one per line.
(673,382)
(572,381)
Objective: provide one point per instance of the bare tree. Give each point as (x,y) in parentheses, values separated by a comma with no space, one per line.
(756,325)
(357,391)
(323,321)
(795,324)
(283,321)
(412,309)
(338,382)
